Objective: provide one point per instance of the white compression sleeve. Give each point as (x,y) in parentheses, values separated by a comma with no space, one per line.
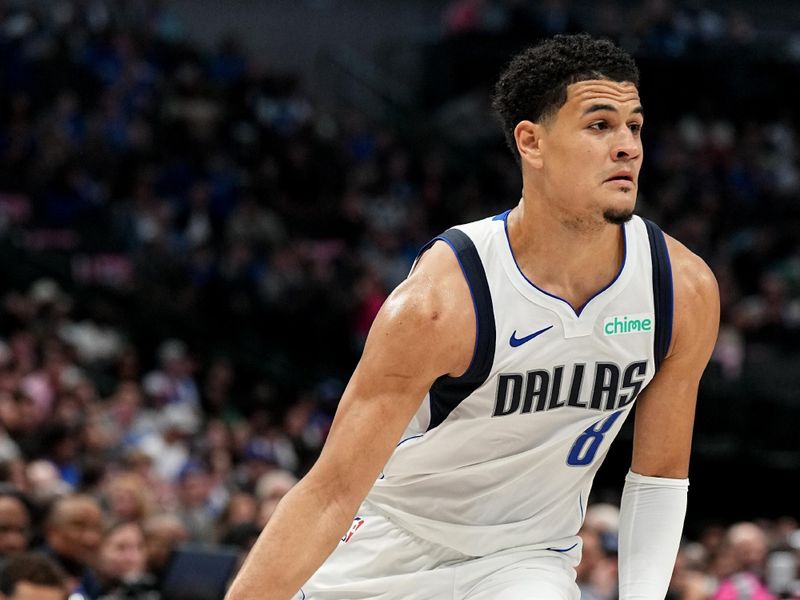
(651,522)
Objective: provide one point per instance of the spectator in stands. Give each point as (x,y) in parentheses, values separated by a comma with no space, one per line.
(72,533)
(15,523)
(241,509)
(61,445)
(689,579)
(32,577)
(592,574)
(163,533)
(270,488)
(44,484)
(128,497)
(167,443)
(122,563)
(195,509)
(747,545)
(18,418)
(173,383)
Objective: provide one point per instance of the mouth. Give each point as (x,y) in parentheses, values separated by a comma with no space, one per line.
(620,178)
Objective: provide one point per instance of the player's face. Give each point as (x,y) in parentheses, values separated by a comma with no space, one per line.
(592,151)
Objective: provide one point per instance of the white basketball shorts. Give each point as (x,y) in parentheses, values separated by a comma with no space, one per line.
(378,559)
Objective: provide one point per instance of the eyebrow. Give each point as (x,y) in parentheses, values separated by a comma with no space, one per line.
(600,107)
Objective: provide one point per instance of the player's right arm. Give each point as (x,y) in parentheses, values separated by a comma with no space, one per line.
(425,329)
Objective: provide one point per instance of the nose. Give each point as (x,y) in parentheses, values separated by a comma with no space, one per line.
(627,146)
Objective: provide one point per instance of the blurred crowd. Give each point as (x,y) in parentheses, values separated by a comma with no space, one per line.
(192,253)
(662,27)
(744,561)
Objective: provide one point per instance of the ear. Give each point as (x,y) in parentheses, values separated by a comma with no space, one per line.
(529,137)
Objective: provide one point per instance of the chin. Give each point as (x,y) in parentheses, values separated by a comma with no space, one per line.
(618,216)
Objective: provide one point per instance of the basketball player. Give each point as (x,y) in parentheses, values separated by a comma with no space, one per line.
(497,375)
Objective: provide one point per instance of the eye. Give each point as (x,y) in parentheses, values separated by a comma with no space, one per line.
(636,128)
(599,126)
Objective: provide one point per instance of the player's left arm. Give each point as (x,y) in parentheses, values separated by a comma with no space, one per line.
(655,494)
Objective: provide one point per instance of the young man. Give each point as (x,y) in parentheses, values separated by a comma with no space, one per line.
(496,376)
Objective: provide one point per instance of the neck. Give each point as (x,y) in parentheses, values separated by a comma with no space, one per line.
(565,255)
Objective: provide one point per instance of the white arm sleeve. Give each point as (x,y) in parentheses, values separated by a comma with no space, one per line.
(651,522)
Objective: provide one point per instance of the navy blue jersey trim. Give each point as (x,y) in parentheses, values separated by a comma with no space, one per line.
(563,549)
(411,437)
(447,392)
(662,291)
(427,247)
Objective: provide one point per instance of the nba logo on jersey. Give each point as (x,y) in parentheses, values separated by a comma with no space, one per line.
(357,522)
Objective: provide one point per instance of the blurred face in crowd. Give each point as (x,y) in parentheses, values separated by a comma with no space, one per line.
(17,412)
(44,481)
(127,401)
(74,528)
(162,534)
(587,156)
(14,523)
(194,488)
(127,497)
(122,552)
(242,508)
(749,545)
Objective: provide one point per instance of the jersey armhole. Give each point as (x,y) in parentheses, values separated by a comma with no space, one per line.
(662,292)
(448,392)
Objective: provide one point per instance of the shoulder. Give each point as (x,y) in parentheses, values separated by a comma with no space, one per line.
(696,297)
(434,289)
(432,310)
(691,276)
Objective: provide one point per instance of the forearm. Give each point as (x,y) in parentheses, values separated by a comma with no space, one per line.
(651,522)
(300,535)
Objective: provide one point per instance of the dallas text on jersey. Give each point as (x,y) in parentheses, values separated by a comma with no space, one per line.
(539,390)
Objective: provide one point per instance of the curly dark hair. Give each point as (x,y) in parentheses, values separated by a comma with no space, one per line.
(534,85)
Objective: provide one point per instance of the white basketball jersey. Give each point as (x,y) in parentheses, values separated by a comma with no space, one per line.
(504,456)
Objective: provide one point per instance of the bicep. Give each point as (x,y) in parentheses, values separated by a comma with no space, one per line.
(665,411)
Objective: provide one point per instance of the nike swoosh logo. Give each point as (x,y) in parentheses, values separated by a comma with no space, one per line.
(515,341)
